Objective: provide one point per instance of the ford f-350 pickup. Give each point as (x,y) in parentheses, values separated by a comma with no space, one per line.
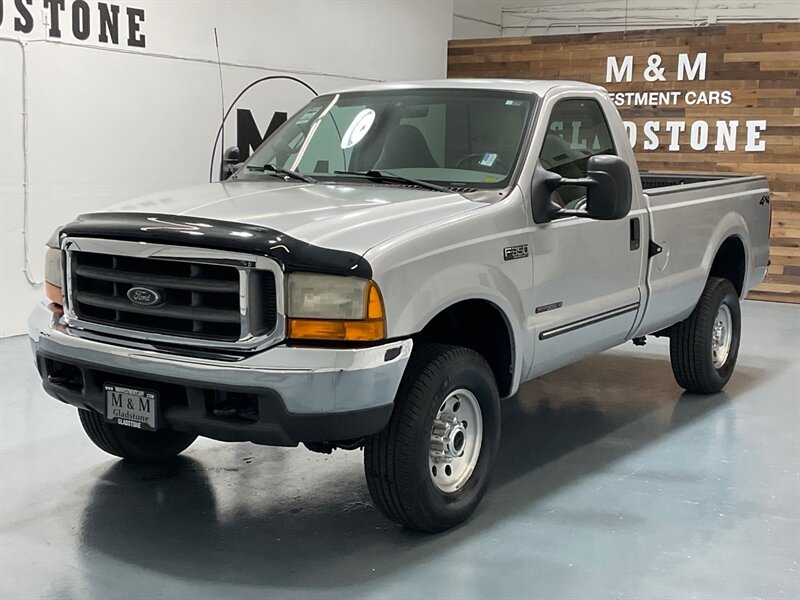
(384,268)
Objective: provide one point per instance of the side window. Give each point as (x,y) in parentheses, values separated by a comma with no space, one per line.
(576,131)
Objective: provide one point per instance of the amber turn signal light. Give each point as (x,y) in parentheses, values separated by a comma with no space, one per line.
(53,293)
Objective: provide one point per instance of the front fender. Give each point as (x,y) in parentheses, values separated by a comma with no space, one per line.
(411,306)
(436,265)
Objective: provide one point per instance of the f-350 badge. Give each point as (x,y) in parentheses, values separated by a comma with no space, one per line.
(515,252)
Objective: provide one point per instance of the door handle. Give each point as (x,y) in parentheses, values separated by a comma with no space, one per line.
(636,233)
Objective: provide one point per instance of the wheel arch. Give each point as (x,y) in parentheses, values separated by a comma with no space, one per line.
(730,262)
(728,252)
(481,325)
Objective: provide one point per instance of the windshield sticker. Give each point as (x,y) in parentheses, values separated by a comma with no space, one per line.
(358,128)
(513,102)
(308,115)
(488,159)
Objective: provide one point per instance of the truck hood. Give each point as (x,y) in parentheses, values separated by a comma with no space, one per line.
(353,218)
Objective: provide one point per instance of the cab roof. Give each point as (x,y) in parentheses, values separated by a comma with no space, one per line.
(531,86)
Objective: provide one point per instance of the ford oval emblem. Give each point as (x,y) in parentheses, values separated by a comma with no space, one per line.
(144,296)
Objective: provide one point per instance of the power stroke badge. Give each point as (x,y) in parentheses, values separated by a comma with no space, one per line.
(515,252)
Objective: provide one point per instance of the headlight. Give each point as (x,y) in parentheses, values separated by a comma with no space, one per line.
(330,307)
(53,270)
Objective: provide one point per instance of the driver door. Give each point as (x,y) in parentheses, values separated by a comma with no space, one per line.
(586,273)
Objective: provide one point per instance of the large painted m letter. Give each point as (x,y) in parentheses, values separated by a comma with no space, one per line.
(248,137)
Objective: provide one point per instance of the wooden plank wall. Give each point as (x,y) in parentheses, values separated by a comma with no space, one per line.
(758,64)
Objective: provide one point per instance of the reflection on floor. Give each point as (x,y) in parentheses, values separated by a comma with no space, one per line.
(611,484)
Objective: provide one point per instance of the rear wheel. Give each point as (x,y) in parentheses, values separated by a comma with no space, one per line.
(429,468)
(133,444)
(704,347)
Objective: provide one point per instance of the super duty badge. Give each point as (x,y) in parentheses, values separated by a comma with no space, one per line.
(515,252)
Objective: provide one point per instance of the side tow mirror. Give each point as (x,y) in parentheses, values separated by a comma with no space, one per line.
(611,195)
(609,191)
(230,161)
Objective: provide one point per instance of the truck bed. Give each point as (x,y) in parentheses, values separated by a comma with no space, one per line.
(691,215)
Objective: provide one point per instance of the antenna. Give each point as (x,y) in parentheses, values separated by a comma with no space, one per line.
(222,108)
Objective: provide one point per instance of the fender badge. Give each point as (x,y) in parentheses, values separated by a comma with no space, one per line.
(515,252)
(546,307)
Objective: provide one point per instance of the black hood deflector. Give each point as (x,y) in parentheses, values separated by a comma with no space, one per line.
(198,232)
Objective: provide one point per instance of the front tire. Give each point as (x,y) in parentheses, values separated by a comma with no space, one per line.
(133,444)
(429,468)
(704,347)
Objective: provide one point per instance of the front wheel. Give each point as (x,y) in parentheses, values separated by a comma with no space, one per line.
(133,444)
(429,468)
(703,348)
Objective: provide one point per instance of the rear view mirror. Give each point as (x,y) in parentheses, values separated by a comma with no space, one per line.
(609,197)
(609,191)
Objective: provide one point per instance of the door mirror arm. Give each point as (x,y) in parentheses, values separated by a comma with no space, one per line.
(554,184)
(563,213)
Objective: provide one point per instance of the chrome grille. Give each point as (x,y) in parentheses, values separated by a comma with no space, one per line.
(204,297)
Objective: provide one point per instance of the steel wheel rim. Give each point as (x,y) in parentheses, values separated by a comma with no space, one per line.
(456,438)
(721,336)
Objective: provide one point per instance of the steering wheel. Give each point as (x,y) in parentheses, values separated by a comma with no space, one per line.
(498,162)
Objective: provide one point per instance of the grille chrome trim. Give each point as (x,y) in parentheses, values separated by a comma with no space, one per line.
(244,263)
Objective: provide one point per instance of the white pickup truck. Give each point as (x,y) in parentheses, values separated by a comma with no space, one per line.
(382,271)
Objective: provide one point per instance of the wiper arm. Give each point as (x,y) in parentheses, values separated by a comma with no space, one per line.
(278,171)
(379,176)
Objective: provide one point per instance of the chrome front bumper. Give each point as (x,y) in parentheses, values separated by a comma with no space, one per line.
(309,382)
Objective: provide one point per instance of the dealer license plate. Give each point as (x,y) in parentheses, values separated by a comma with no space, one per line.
(131,407)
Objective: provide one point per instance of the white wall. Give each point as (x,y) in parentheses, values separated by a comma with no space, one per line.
(477,19)
(550,17)
(107,123)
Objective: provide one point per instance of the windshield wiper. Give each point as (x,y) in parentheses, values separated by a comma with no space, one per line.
(386,176)
(278,171)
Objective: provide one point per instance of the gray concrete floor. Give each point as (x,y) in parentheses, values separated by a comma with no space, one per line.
(611,484)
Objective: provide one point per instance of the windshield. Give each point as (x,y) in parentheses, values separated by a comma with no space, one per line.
(453,138)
